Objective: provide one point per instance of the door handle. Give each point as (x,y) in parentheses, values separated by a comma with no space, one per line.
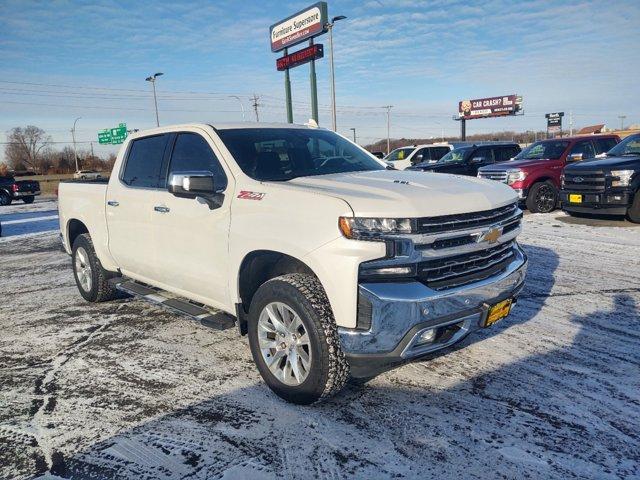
(112,203)
(161,209)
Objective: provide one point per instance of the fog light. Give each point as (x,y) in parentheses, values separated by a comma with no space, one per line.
(426,336)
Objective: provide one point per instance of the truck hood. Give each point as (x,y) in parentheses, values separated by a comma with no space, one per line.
(514,164)
(613,163)
(388,193)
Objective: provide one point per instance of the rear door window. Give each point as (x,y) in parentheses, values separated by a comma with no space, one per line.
(192,153)
(486,153)
(143,168)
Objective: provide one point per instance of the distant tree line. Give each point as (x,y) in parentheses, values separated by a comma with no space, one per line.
(30,148)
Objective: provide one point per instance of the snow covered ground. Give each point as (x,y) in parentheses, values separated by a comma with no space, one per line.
(125,390)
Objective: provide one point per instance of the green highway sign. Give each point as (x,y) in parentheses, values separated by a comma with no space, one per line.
(113,136)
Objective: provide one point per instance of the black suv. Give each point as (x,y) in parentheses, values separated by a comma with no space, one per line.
(466,160)
(609,185)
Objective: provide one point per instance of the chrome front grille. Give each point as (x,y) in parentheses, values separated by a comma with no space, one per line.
(585,181)
(465,221)
(466,268)
(497,175)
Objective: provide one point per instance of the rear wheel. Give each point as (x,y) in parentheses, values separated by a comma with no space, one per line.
(294,339)
(28,199)
(91,279)
(542,198)
(5,198)
(633,214)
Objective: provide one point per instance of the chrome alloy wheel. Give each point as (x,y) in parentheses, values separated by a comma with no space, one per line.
(83,269)
(284,343)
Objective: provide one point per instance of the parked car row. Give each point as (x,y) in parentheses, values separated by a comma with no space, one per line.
(12,189)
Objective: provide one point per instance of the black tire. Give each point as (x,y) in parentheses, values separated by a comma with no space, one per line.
(329,369)
(633,214)
(542,197)
(99,290)
(5,198)
(28,199)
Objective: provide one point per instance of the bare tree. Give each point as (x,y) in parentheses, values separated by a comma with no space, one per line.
(24,146)
(4,170)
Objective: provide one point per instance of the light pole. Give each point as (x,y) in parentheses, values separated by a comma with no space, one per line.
(354,134)
(241,105)
(152,79)
(329,26)
(622,117)
(73,136)
(388,107)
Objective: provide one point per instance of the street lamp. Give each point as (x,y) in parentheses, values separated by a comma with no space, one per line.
(354,134)
(329,27)
(73,136)
(241,104)
(152,79)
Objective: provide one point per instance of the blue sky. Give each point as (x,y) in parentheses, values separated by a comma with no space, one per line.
(61,59)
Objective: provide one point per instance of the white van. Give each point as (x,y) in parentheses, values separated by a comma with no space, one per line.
(404,157)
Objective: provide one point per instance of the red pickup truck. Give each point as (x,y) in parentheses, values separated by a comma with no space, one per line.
(535,172)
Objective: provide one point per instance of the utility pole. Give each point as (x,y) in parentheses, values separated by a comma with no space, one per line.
(354,134)
(255,106)
(73,136)
(92,149)
(152,79)
(313,82)
(329,26)
(570,123)
(388,107)
(622,117)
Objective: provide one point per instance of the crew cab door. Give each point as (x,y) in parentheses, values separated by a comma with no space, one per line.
(191,240)
(481,157)
(129,205)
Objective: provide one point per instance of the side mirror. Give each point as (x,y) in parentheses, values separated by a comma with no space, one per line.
(195,185)
(419,158)
(575,157)
(479,160)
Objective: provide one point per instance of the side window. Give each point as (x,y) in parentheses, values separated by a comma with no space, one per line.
(486,153)
(144,162)
(505,153)
(438,152)
(191,152)
(604,145)
(585,148)
(421,155)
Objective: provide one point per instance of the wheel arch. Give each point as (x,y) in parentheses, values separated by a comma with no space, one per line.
(75,228)
(258,267)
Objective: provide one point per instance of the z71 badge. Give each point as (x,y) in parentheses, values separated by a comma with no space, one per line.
(245,194)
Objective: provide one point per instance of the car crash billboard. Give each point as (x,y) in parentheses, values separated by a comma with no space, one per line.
(489,107)
(299,27)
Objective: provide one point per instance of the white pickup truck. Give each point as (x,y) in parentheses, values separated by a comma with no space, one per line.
(336,266)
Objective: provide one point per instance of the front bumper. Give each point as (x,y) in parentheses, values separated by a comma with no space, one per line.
(26,194)
(401,312)
(609,202)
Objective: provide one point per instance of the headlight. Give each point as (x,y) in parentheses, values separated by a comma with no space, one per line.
(621,178)
(514,176)
(374,228)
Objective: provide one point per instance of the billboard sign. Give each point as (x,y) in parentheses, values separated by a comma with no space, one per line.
(489,107)
(113,136)
(554,119)
(305,24)
(312,52)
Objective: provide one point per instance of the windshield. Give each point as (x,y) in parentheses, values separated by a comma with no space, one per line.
(399,154)
(281,154)
(455,156)
(548,149)
(628,146)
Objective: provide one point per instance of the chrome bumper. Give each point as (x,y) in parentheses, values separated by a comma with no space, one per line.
(26,194)
(400,312)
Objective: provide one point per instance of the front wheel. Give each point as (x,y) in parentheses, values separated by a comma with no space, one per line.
(28,199)
(633,214)
(5,198)
(294,339)
(542,198)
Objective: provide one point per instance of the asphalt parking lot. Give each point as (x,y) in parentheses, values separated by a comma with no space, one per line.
(126,390)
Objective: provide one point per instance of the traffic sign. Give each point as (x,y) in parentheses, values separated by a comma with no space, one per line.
(113,136)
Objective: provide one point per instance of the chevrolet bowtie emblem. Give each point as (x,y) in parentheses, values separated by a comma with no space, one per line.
(578,179)
(490,236)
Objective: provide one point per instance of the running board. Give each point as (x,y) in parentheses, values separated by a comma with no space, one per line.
(215,319)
